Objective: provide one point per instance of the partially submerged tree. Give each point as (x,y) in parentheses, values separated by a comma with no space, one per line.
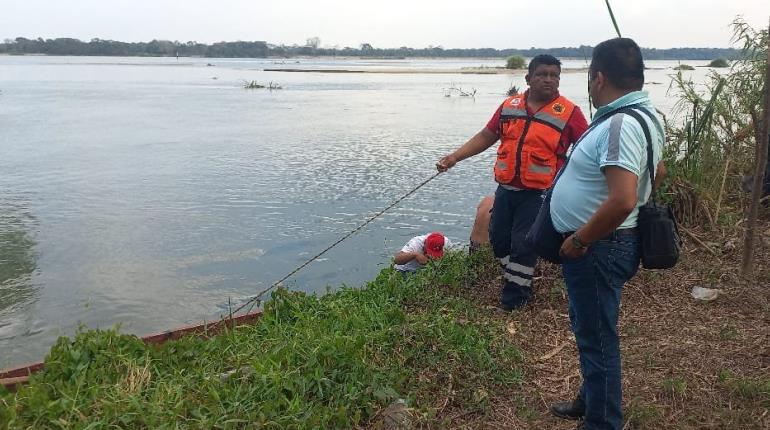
(719,63)
(515,62)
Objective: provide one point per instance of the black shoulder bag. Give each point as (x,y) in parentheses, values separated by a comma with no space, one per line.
(542,236)
(660,244)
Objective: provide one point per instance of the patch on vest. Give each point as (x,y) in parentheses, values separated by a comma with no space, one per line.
(516,102)
(558,107)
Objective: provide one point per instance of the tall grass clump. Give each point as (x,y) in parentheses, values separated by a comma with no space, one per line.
(684,67)
(310,362)
(711,138)
(719,63)
(515,62)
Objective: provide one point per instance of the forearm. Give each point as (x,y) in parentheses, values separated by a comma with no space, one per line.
(604,221)
(402,257)
(477,144)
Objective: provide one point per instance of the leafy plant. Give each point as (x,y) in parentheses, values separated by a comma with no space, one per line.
(719,62)
(309,362)
(711,142)
(515,62)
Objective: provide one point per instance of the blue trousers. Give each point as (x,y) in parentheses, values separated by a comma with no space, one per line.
(512,215)
(594,284)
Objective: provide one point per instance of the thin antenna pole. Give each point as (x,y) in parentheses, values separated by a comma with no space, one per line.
(612,16)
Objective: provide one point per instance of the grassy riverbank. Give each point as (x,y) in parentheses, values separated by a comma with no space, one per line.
(330,362)
(436,341)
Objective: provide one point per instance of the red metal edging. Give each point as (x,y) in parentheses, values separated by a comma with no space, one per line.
(11,378)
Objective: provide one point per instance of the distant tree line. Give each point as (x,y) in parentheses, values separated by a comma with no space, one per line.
(261,49)
(155,48)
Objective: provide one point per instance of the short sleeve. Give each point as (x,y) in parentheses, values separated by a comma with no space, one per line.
(415,244)
(576,126)
(494,123)
(624,145)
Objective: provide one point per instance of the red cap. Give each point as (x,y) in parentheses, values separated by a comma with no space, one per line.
(434,245)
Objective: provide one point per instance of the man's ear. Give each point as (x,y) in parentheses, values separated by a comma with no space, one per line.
(600,81)
(526,78)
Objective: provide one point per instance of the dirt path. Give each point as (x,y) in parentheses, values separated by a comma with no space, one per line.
(687,364)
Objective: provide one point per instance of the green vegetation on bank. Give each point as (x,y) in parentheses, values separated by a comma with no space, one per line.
(340,360)
(515,62)
(261,49)
(719,62)
(331,362)
(712,139)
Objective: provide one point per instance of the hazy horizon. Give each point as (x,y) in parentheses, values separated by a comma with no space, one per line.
(456,25)
(30,37)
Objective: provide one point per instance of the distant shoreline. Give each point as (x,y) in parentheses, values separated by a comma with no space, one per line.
(461,71)
(263,49)
(311,57)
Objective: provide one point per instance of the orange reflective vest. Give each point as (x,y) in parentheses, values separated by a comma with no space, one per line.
(528,143)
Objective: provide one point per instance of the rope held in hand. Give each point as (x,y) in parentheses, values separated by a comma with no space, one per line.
(253,300)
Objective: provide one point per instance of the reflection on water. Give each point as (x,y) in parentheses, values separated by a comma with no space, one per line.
(160,194)
(18,262)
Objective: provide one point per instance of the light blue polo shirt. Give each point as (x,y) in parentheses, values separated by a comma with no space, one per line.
(618,141)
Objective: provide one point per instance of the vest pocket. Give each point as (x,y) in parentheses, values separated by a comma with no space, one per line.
(537,170)
(504,164)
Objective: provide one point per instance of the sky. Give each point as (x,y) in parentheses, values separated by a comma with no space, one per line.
(386,24)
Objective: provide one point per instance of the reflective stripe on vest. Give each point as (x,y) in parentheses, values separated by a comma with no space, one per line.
(550,119)
(514,112)
(528,143)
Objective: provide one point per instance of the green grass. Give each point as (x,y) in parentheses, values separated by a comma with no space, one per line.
(310,362)
(747,388)
(642,415)
(674,386)
(728,331)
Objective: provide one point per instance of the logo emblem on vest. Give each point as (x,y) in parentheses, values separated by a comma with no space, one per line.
(558,107)
(516,101)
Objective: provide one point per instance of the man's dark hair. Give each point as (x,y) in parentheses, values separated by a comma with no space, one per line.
(543,59)
(620,60)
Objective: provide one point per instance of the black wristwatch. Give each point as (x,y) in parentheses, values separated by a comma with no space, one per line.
(577,243)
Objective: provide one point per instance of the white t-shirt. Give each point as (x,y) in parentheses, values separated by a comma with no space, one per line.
(417,244)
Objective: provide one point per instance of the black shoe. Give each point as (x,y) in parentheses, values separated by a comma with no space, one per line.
(574,410)
(509,308)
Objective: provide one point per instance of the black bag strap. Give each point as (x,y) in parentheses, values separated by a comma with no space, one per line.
(646,129)
(594,124)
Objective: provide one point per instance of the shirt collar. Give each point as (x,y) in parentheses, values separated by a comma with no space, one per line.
(530,111)
(634,97)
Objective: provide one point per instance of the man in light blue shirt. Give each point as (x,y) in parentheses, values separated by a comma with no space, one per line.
(595,205)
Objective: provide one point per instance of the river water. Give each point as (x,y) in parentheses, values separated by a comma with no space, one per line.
(152,192)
